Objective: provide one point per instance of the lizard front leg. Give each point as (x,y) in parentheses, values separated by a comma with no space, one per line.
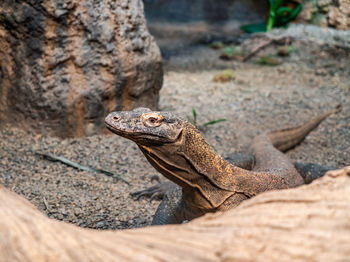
(155,192)
(170,209)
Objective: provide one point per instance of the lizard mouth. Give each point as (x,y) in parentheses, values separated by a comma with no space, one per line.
(135,136)
(112,129)
(120,132)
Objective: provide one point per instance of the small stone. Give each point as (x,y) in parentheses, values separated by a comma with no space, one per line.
(100,224)
(60,12)
(110,47)
(77,211)
(137,44)
(322,3)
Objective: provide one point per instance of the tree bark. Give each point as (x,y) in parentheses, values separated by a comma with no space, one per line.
(308,223)
(65,64)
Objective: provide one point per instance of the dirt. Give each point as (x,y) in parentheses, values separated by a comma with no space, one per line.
(260,98)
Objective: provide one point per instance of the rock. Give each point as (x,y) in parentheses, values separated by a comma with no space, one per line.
(326,13)
(100,224)
(308,223)
(339,16)
(65,64)
(311,34)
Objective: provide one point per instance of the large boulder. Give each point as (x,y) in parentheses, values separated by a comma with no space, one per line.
(65,64)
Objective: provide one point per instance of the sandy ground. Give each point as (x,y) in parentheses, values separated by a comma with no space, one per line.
(260,98)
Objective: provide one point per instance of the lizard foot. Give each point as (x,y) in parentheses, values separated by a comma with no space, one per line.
(154,192)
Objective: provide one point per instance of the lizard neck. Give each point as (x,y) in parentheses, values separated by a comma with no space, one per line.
(194,165)
(207,162)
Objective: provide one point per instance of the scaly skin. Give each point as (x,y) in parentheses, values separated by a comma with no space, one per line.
(209,183)
(308,171)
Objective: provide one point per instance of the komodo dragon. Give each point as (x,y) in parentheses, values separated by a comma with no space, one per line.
(209,183)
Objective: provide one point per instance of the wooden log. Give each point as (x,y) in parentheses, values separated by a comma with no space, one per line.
(308,223)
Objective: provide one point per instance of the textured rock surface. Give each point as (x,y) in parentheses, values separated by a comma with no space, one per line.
(66,64)
(313,35)
(309,223)
(324,13)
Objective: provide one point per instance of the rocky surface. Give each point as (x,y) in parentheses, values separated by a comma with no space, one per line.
(326,13)
(65,64)
(326,37)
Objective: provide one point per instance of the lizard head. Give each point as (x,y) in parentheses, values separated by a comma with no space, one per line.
(175,148)
(145,127)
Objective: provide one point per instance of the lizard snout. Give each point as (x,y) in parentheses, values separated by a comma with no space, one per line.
(112,118)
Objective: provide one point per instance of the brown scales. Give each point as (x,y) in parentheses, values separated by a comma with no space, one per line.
(209,183)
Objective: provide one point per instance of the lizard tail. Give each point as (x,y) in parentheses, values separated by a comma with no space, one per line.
(286,139)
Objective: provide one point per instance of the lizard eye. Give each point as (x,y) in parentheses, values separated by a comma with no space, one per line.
(152,119)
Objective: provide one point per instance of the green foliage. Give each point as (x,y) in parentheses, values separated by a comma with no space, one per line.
(285,50)
(231,52)
(268,60)
(193,120)
(224,76)
(254,28)
(217,45)
(280,14)
(214,122)
(194,113)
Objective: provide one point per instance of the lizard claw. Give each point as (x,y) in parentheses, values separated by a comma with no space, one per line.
(154,192)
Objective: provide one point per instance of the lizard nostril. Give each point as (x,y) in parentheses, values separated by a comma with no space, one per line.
(116,118)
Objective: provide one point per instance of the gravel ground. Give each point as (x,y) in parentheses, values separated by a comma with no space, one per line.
(260,98)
